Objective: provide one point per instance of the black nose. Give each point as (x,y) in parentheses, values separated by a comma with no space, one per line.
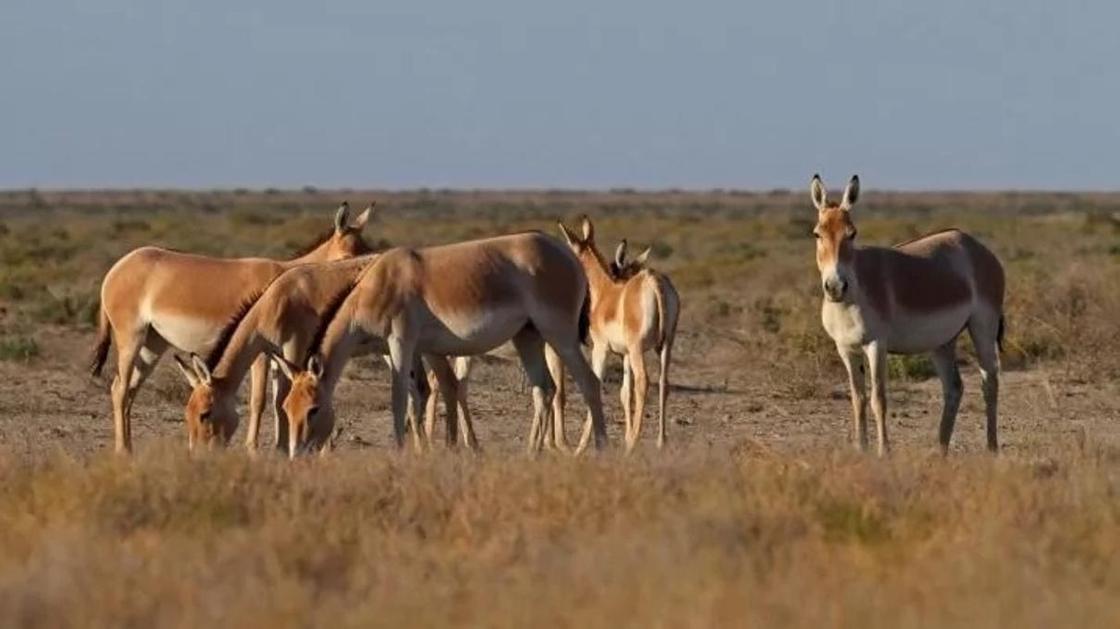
(836,288)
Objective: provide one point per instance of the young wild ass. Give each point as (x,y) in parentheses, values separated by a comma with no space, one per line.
(282,322)
(461,299)
(154,298)
(633,309)
(915,297)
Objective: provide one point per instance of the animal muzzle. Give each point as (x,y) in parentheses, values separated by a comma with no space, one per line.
(835,288)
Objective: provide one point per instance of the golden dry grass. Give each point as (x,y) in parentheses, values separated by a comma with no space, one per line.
(747,530)
(690,539)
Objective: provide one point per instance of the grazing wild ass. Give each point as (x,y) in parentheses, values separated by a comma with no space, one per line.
(915,297)
(282,321)
(461,299)
(633,309)
(154,298)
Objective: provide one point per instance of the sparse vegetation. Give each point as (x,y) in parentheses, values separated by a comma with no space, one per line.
(758,513)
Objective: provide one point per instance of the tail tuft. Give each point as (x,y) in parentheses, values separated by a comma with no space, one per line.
(101,350)
(585,319)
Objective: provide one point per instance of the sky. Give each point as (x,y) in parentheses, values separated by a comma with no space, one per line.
(954,94)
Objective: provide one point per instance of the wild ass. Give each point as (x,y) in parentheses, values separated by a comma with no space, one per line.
(915,297)
(632,310)
(460,299)
(154,298)
(282,321)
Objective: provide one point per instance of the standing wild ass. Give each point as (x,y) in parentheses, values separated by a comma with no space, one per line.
(154,298)
(282,321)
(915,297)
(633,309)
(461,299)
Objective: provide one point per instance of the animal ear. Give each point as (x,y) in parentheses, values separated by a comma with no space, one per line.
(588,230)
(315,366)
(360,223)
(643,256)
(188,371)
(572,239)
(851,194)
(620,254)
(285,366)
(201,369)
(342,217)
(818,193)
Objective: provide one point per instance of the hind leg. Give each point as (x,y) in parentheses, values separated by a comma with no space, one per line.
(146,360)
(945,362)
(280,388)
(663,391)
(559,439)
(128,351)
(641,388)
(258,382)
(985,337)
(530,348)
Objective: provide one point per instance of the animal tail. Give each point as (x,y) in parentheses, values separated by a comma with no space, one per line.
(585,319)
(999,333)
(659,297)
(101,349)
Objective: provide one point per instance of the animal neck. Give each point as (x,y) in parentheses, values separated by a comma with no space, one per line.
(599,280)
(243,348)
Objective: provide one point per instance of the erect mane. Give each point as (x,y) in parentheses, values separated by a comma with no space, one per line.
(327,318)
(230,328)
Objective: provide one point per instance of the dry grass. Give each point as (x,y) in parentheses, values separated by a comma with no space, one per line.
(686,540)
(773,534)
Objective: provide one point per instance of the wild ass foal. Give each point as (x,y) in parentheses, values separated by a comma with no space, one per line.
(461,299)
(154,298)
(915,297)
(283,322)
(633,309)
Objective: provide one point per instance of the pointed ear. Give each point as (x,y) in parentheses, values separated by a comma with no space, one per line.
(285,366)
(188,371)
(201,369)
(360,223)
(572,239)
(588,230)
(643,256)
(315,366)
(342,217)
(620,254)
(851,194)
(818,193)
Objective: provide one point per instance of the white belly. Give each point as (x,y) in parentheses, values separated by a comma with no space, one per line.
(468,334)
(185,333)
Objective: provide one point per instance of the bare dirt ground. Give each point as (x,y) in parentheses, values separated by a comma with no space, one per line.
(758,513)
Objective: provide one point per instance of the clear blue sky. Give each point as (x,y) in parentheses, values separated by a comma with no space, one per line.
(573,93)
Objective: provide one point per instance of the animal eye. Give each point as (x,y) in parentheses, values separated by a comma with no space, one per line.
(205,416)
(852,233)
(815,234)
(311,412)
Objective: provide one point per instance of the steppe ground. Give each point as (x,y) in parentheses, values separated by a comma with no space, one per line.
(758,513)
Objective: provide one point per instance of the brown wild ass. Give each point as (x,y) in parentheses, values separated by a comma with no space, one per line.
(281,322)
(154,298)
(915,297)
(460,299)
(633,309)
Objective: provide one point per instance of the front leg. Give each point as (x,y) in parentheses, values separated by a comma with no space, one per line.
(258,381)
(877,360)
(854,363)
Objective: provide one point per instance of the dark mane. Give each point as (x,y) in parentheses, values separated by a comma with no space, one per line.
(230,327)
(327,317)
(314,244)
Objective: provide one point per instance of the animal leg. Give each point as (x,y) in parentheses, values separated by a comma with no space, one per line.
(985,337)
(877,359)
(641,388)
(945,362)
(854,364)
(530,348)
